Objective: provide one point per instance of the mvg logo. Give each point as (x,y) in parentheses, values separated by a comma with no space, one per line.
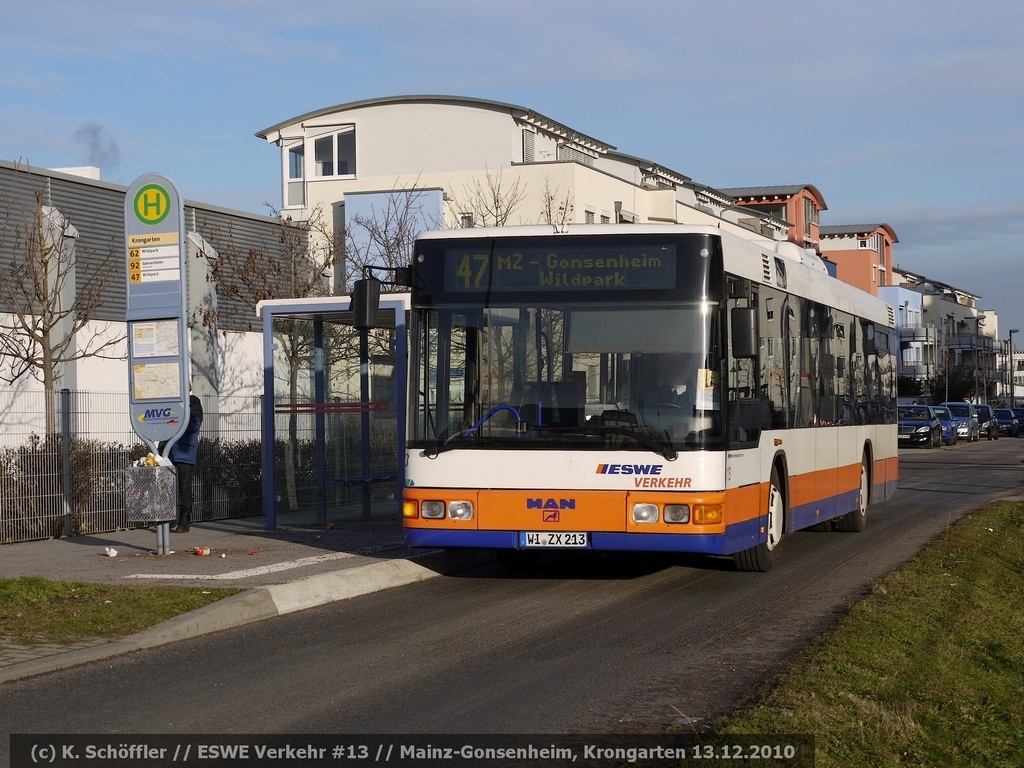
(156,414)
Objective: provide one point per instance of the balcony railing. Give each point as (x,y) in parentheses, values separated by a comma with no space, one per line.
(924,334)
(916,370)
(980,343)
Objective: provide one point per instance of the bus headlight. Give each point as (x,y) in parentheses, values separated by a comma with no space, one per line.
(707,514)
(645,513)
(677,513)
(433,510)
(460,510)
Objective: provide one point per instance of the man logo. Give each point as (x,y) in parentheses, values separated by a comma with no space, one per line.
(551,503)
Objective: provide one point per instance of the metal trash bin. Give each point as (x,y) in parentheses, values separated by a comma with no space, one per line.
(151,494)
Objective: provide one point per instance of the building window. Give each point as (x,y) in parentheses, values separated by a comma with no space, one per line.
(588,217)
(810,215)
(467,221)
(873,243)
(569,154)
(335,154)
(528,145)
(296,185)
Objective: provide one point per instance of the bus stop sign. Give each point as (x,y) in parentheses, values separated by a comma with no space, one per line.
(158,370)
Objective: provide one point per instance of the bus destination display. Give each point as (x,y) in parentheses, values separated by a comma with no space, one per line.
(590,268)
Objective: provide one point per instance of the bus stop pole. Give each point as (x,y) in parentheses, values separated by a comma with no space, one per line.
(364,414)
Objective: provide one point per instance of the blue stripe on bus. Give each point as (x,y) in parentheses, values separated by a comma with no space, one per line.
(738,537)
(425,537)
(804,516)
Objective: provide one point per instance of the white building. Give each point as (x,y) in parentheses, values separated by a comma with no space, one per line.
(478,163)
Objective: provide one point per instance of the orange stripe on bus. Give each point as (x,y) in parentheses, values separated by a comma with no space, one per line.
(504,510)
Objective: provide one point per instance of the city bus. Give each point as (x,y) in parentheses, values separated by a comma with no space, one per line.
(532,426)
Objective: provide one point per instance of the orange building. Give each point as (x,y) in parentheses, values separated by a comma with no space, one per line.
(862,254)
(799,205)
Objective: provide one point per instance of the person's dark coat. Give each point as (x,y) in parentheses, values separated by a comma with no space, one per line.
(186,449)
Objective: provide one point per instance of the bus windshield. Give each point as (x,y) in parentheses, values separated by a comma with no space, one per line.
(560,366)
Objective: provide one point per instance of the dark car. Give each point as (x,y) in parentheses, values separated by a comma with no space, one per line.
(948,425)
(1019,413)
(1009,425)
(987,421)
(918,425)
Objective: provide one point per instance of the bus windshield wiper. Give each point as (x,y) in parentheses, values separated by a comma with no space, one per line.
(458,438)
(662,447)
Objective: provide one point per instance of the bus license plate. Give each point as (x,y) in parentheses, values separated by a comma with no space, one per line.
(569,539)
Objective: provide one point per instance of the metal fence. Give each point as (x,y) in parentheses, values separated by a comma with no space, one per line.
(70,480)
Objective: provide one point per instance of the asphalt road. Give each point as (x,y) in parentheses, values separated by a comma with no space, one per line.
(585,645)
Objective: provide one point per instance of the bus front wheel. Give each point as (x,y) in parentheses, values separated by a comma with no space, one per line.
(761,557)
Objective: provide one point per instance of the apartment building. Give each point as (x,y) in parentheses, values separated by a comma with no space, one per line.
(862,253)
(475,162)
(944,329)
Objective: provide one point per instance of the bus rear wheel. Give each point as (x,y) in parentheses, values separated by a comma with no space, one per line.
(856,520)
(761,557)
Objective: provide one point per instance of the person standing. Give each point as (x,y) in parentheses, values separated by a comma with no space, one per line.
(183,456)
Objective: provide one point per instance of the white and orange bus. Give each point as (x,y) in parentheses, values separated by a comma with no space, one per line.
(534,419)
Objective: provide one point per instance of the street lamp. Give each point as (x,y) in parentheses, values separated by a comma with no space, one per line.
(1013,383)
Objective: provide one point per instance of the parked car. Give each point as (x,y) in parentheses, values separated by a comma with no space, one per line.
(948,426)
(1019,413)
(987,421)
(1009,425)
(918,425)
(966,420)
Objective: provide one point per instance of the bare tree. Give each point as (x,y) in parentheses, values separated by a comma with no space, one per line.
(385,237)
(49,292)
(556,210)
(488,203)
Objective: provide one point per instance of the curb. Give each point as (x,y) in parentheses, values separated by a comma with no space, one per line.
(264,603)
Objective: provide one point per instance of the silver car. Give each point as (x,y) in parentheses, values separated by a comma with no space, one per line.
(965,417)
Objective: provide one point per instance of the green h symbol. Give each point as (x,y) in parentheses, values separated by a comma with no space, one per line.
(151,200)
(152,204)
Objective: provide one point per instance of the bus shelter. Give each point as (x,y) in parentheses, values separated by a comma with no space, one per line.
(334,408)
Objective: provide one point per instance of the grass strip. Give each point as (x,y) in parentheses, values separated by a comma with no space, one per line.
(928,670)
(38,610)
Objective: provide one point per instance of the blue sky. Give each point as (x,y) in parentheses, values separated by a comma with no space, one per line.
(903,112)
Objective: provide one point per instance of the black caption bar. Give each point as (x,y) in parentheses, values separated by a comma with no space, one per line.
(416,751)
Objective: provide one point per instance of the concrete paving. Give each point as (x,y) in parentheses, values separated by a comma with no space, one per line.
(280,571)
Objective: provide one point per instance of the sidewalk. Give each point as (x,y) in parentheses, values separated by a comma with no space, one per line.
(281,571)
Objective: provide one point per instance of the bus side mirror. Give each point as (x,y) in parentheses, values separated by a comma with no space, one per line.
(365,302)
(743,324)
